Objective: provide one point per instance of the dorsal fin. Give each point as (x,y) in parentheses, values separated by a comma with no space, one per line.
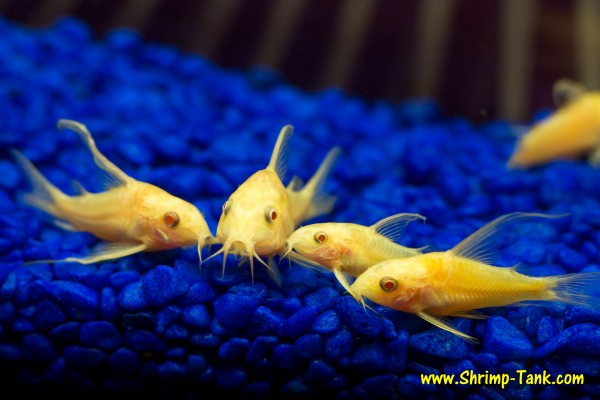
(278,161)
(393,227)
(566,90)
(482,245)
(114,176)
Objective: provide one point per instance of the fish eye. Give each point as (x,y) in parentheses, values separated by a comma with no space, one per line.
(226,207)
(171,219)
(270,214)
(388,284)
(320,237)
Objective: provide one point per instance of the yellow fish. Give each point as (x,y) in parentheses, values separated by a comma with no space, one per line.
(570,132)
(458,281)
(349,249)
(131,216)
(260,215)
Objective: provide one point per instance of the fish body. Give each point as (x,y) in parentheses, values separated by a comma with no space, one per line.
(349,249)
(131,216)
(569,133)
(459,281)
(259,216)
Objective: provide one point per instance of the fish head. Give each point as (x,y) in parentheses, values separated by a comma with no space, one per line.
(323,243)
(256,219)
(173,222)
(390,283)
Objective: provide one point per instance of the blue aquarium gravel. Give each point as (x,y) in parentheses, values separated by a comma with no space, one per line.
(158,325)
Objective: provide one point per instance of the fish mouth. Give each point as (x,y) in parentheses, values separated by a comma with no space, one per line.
(239,247)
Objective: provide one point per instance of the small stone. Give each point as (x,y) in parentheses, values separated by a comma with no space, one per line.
(80,357)
(326,322)
(100,334)
(131,298)
(505,341)
(309,346)
(338,345)
(162,285)
(36,347)
(233,349)
(259,348)
(77,301)
(264,322)
(299,322)
(196,316)
(47,316)
(109,309)
(144,341)
(124,361)
(361,322)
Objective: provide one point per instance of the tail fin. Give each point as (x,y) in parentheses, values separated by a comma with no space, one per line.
(582,289)
(310,202)
(44,194)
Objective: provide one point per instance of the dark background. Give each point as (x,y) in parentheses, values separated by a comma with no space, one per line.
(478,59)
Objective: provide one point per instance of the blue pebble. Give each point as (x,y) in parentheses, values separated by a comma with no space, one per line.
(7,313)
(165,317)
(324,297)
(361,322)
(572,260)
(233,349)
(162,285)
(578,315)
(505,341)
(66,333)
(78,302)
(100,334)
(326,322)
(283,356)
(562,340)
(438,342)
(196,316)
(290,305)
(383,386)
(205,339)
(230,378)
(109,308)
(9,287)
(37,348)
(309,346)
(131,298)
(80,357)
(171,370)
(397,353)
(319,371)
(368,356)
(411,387)
(141,320)
(586,342)
(264,322)
(195,363)
(259,348)
(485,361)
(57,371)
(548,327)
(124,361)
(9,352)
(338,345)
(588,366)
(176,331)
(118,280)
(299,322)
(47,316)
(200,292)
(144,341)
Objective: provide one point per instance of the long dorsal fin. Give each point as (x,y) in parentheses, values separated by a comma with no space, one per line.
(393,227)
(482,245)
(278,161)
(114,175)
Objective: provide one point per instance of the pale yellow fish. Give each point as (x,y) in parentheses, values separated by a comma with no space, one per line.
(260,215)
(461,280)
(131,216)
(571,132)
(349,249)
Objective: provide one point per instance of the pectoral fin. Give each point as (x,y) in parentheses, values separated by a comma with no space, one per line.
(115,176)
(445,325)
(342,278)
(278,162)
(108,251)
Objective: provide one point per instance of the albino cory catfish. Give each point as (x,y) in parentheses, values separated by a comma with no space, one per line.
(260,215)
(570,132)
(131,216)
(350,249)
(458,281)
